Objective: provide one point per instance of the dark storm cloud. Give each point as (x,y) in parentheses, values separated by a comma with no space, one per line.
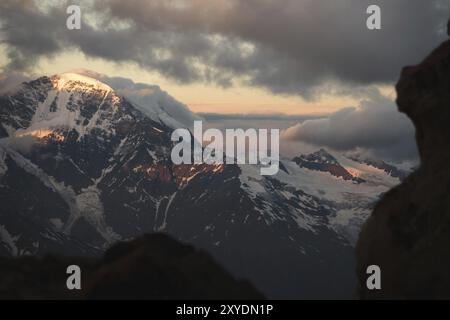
(286,46)
(375,126)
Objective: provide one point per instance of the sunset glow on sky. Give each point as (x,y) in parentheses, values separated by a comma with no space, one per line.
(201,97)
(313,69)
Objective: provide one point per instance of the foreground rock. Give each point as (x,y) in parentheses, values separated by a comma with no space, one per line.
(408,234)
(151,267)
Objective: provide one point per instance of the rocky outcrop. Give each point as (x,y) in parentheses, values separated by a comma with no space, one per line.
(321,160)
(151,267)
(408,234)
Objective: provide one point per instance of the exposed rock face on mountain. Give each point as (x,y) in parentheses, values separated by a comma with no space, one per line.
(82,167)
(323,161)
(386,167)
(408,234)
(150,267)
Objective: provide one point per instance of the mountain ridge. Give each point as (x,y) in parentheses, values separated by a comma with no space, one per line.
(92,169)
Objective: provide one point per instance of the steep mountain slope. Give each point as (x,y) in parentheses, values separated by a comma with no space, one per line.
(390,169)
(82,167)
(323,161)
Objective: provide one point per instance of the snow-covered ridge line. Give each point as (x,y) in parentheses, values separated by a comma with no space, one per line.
(345,203)
(151,100)
(56,106)
(61,81)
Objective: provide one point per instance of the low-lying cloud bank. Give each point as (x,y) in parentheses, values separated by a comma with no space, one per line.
(209,116)
(375,126)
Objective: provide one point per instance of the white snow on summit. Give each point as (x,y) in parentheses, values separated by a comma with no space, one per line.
(55,111)
(64,79)
(73,88)
(155,103)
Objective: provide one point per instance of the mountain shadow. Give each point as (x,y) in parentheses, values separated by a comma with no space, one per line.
(154,266)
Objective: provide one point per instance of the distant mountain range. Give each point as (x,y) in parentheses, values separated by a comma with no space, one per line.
(82,167)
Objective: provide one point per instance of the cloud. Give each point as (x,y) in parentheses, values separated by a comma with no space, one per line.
(10,81)
(150,99)
(302,47)
(375,126)
(209,116)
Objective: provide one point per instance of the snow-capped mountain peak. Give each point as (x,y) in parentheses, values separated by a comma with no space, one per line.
(322,160)
(151,100)
(66,102)
(84,101)
(320,156)
(70,81)
(100,170)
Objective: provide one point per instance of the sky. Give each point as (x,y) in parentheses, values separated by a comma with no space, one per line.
(293,57)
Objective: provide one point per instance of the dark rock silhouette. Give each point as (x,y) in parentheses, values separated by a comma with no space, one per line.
(408,234)
(153,266)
